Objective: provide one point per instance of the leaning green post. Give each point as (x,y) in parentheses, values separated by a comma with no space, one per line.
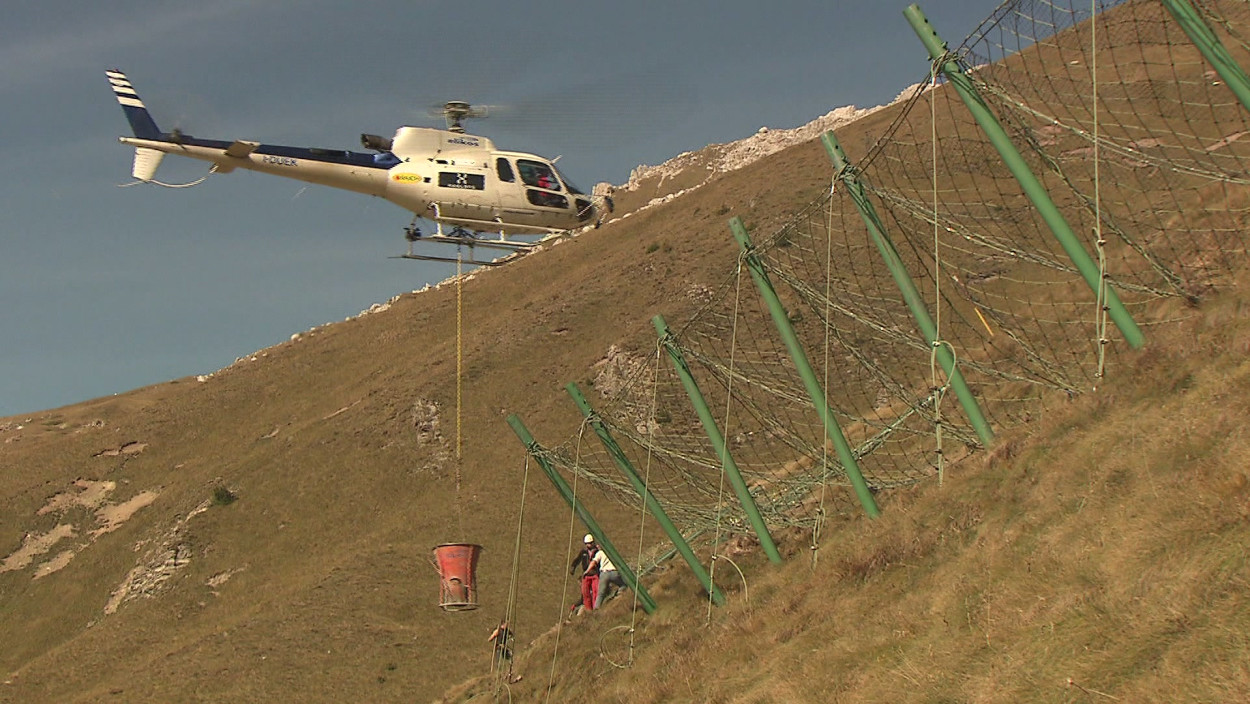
(908,287)
(814,391)
(718,440)
(1211,47)
(536,451)
(653,505)
(1015,163)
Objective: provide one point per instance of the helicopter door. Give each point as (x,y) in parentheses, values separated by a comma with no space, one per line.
(462,191)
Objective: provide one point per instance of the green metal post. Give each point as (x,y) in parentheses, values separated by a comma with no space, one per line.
(1211,47)
(653,505)
(814,391)
(718,440)
(1033,188)
(908,287)
(535,450)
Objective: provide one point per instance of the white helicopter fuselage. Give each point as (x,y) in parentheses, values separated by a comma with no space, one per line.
(466,179)
(443,175)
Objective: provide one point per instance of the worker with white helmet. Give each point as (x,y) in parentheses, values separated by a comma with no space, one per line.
(590,575)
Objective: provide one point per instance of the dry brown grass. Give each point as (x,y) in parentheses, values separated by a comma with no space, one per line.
(1098,551)
(1098,554)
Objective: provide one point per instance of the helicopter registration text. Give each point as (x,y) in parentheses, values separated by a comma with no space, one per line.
(279,160)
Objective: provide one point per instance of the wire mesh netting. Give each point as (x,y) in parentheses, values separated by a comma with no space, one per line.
(1142,149)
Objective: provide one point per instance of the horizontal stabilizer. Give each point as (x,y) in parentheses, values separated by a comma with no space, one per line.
(146,161)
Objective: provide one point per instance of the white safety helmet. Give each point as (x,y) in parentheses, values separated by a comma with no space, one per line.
(588,539)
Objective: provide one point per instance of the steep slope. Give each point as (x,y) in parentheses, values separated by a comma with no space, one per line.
(1099,553)
(264,533)
(129,573)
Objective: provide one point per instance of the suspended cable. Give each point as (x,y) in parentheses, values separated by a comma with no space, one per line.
(509,619)
(211,170)
(555,654)
(935,67)
(459,383)
(1100,321)
(818,521)
(724,448)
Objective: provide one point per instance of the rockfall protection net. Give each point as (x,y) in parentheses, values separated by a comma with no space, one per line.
(1140,145)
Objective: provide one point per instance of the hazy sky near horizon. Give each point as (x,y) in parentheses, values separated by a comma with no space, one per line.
(106,289)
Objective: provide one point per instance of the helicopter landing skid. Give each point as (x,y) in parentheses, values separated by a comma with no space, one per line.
(461,237)
(470,260)
(471,242)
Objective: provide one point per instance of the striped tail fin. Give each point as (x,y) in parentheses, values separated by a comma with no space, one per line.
(141,121)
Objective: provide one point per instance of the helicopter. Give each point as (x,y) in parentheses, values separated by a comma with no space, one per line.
(446,176)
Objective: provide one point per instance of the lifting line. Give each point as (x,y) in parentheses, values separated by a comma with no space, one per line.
(652,426)
(459,383)
(510,607)
(555,652)
(818,523)
(724,449)
(939,390)
(642,521)
(1100,320)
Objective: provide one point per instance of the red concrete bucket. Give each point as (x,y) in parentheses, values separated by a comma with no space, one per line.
(457,572)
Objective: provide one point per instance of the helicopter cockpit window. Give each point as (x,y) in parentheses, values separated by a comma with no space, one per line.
(504,169)
(537,174)
(546,200)
(569,185)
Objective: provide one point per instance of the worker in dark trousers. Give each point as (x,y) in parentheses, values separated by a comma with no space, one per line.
(608,576)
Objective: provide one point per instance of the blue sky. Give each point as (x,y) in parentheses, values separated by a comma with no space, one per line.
(106,289)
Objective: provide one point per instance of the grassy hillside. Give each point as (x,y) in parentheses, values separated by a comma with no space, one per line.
(315,584)
(1104,544)
(264,533)
(1097,554)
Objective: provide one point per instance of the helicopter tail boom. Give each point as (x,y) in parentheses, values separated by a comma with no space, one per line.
(141,122)
(355,171)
